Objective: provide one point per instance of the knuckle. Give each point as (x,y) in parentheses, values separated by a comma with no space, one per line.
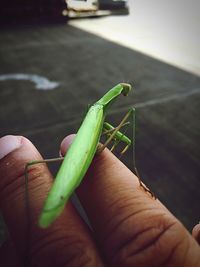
(161,237)
(62,251)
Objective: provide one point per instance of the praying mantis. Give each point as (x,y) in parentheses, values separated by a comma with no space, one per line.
(82,150)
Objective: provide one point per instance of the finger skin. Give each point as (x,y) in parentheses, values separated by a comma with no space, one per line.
(67,242)
(196,233)
(132,228)
(8,255)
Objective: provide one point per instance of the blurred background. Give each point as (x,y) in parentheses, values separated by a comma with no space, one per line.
(59,56)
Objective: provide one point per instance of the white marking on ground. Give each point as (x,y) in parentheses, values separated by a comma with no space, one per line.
(41,83)
(166,99)
(161,100)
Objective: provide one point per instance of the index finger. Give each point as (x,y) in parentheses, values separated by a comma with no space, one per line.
(131,227)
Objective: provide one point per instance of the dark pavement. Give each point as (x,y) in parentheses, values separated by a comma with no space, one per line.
(167,102)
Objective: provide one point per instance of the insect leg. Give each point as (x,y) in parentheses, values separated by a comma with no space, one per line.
(31,163)
(146,189)
(27,202)
(115,132)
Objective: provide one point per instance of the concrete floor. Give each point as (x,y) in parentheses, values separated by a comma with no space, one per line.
(166,30)
(82,67)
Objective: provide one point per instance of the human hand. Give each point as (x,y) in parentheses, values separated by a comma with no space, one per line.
(130,227)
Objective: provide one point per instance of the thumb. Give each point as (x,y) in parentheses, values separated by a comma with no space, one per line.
(15,152)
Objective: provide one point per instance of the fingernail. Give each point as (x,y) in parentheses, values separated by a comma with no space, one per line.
(8,144)
(67,141)
(196,232)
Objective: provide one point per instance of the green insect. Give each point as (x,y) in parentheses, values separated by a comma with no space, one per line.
(82,151)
